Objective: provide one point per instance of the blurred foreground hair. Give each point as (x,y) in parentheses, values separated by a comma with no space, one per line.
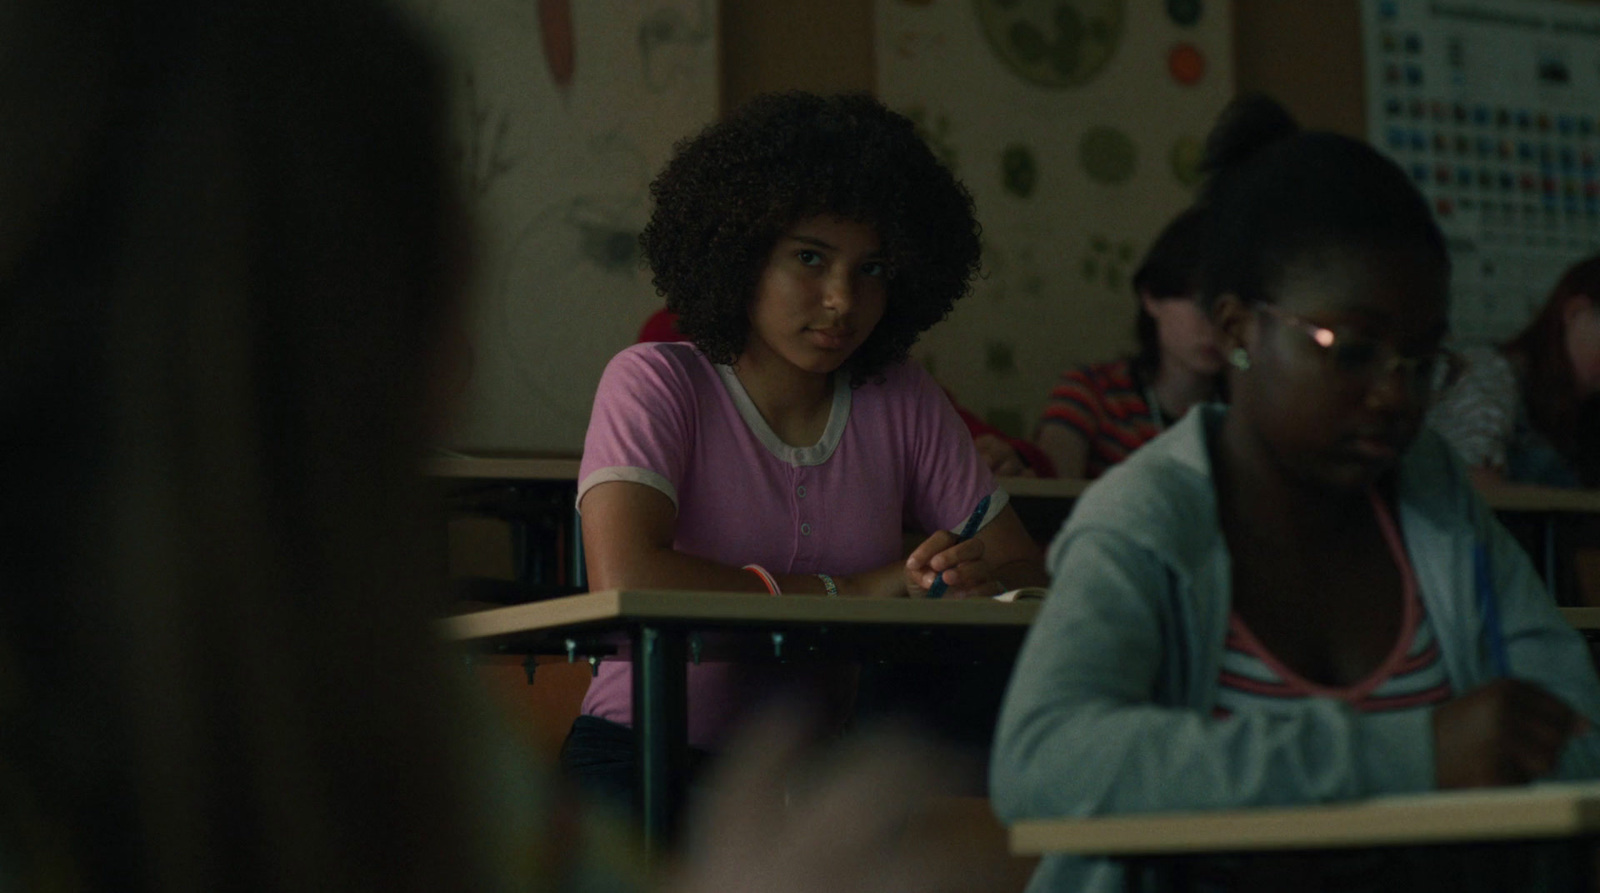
(223,249)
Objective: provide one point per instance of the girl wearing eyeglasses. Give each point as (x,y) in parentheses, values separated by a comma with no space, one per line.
(1298,597)
(1529,410)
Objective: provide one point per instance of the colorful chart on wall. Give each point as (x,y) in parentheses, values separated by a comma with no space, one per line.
(1077,125)
(565,109)
(1493,106)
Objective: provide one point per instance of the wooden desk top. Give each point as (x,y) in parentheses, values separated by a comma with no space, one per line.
(1528,498)
(506,468)
(1503,497)
(1544,811)
(1049,488)
(732,608)
(565,468)
(736,607)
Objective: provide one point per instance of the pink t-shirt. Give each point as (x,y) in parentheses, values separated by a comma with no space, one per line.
(894,453)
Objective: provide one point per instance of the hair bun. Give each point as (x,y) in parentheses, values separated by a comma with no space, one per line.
(1248,124)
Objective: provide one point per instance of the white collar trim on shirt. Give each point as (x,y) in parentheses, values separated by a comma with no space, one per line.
(817,453)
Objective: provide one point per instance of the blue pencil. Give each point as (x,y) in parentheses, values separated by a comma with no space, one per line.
(968,531)
(1489,607)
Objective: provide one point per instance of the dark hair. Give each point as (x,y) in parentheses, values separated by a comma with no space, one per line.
(730,192)
(1549,389)
(1278,194)
(218,634)
(1171,269)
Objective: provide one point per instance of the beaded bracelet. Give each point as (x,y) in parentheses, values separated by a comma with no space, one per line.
(829,586)
(766,578)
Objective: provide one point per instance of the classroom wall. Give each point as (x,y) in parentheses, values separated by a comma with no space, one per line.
(819,45)
(1073,171)
(537,370)
(1306,54)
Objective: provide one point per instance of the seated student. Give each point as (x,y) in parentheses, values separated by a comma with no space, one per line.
(1099,413)
(1278,602)
(1006,456)
(1529,410)
(804,242)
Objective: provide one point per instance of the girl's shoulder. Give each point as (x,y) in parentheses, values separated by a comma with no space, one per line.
(906,380)
(661,354)
(677,363)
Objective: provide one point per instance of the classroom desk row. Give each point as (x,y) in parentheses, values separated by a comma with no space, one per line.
(1159,844)
(535,496)
(661,631)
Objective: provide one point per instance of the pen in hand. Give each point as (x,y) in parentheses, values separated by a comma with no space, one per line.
(968,531)
(1489,608)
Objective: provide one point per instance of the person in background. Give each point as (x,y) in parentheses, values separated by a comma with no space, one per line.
(805,242)
(1280,601)
(1529,410)
(1099,413)
(230,270)
(1005,455)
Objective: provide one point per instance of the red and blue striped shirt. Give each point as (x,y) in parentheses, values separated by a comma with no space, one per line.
(1105,403)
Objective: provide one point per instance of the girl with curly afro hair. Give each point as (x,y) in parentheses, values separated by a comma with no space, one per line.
(804,242)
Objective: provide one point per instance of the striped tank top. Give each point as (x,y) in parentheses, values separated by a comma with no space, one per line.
(1253,679)
(1411,676)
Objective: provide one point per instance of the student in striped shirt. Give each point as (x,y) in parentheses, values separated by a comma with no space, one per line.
(1298,597)
(1099,413)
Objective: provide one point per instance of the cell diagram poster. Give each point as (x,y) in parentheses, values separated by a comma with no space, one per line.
(1077,125)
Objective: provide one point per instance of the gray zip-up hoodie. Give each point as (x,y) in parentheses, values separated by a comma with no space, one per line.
(1109,708)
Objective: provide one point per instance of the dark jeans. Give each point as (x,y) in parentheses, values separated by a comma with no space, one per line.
(600,757)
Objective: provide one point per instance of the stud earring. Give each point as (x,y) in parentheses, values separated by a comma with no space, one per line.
(1240,358)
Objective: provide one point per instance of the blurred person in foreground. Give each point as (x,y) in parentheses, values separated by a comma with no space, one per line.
(230,260)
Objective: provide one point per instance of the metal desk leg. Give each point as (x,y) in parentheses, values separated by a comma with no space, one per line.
(1583,853)
(526,558)
(580,571)
(1552,579)
(661,724)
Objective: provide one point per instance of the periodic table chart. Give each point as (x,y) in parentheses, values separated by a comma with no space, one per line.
(1493,107)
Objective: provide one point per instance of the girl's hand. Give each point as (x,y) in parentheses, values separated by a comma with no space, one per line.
(960,563)
(1504,733)
(884,582)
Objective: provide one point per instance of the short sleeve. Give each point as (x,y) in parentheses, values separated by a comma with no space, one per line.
(946,475)
(1477,414)
(1075,402)
(641,428)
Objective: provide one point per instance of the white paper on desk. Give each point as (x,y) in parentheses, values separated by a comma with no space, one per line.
(1026,593)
